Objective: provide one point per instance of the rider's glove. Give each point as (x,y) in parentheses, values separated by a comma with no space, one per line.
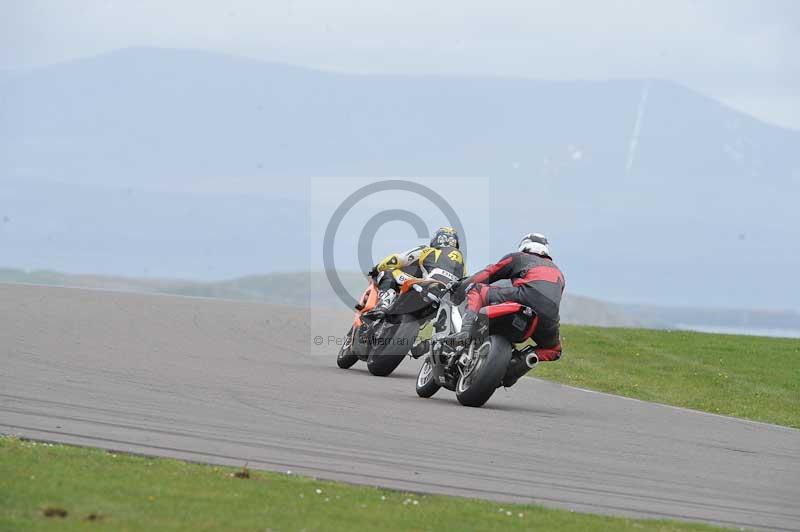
(373,272)
(435,290)
(460,292)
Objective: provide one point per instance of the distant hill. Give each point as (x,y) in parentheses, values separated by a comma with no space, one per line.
(169,163)
(302,289)
(711,319)
(311,289)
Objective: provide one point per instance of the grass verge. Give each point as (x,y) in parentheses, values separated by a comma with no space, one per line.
(58,487)
(744,376)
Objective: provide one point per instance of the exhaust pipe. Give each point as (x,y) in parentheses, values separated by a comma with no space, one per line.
(528,354)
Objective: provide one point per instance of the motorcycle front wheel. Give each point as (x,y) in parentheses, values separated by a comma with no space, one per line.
(426,384)
(346,358)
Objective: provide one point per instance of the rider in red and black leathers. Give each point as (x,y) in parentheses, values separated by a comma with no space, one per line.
(536,282)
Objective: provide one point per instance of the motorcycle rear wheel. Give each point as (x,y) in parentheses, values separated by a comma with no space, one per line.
(476,386)
(398,338)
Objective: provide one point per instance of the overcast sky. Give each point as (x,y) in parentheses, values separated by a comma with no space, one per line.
(743,52)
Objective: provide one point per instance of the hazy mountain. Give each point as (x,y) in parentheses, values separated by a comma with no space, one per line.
(650,192)
(148,115)
(311,289)
(724,320)
(145,232)
(308,289)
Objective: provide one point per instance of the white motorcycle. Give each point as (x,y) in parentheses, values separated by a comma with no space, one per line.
(476,370)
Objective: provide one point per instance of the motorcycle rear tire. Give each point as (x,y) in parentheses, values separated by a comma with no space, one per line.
(489,375)
(384,359)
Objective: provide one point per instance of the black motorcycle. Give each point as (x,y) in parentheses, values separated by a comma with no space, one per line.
(384,343)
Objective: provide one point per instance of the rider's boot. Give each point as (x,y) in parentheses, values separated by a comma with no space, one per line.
(385,300)
(463,337)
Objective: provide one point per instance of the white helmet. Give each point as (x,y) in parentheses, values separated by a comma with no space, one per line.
(535,243)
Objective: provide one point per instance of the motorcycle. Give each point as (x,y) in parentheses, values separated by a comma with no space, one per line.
(476,370)
(384,343)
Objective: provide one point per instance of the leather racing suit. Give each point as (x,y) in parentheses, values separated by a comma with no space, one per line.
(444,264)
(536,282)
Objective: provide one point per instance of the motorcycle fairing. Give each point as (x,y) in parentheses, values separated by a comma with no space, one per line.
(512,320)
(367,302)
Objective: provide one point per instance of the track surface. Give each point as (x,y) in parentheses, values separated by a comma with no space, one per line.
(231,382)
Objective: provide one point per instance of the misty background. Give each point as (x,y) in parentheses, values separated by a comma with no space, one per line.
(657,144)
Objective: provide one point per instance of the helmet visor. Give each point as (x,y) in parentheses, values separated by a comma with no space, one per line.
(445,240)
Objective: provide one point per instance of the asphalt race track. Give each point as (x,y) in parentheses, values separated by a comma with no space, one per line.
(232,382)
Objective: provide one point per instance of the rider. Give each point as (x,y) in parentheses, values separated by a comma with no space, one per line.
(535,282)
(441,259)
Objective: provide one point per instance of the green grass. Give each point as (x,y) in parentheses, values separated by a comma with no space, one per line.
(125,492)
(744,376)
